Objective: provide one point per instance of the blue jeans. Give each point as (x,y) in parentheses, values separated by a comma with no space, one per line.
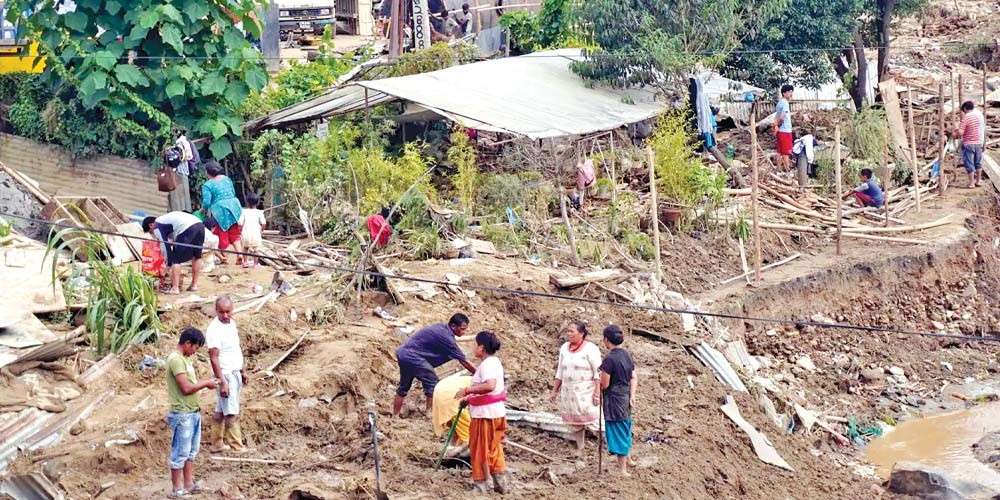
(187,437)
(972,157)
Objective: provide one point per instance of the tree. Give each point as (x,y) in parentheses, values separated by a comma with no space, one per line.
(884,12)
(651,43)
(813,29)
(809,37)
(155,63)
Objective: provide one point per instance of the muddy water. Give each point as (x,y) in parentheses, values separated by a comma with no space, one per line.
(942,441)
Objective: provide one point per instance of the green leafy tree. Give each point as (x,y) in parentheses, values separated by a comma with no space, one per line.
(650,43)
(156,63)
(812,41)
(805,25)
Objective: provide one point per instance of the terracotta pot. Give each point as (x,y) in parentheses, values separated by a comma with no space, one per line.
(670,214)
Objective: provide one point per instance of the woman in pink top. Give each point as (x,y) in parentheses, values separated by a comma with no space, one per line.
(485,398)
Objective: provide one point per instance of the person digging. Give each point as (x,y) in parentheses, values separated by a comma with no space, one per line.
(426,350)
(223,341)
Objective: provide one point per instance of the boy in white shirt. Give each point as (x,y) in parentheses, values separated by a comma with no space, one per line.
(252,222)
(223,342)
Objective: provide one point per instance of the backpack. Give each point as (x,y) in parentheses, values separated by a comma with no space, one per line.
(172,157)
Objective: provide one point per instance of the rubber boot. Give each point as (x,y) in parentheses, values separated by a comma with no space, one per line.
(218,437)
(234,436)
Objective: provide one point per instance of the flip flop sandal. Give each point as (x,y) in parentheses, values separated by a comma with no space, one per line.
(178,494)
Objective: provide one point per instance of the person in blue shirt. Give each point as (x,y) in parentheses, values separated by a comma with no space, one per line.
(868,193)
(426,350)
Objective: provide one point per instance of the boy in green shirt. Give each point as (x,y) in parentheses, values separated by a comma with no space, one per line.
(184,418)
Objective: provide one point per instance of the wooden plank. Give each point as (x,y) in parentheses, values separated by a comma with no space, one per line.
(32,272)
(567,282)
(29,332)
(992,169)
(894,114)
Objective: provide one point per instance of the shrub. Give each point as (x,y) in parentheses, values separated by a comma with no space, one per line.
(121,301)
(526,193)
(826,173)
(466,180)
(639,244)
(866,135)
(505,237)
(58,117)
(681,177)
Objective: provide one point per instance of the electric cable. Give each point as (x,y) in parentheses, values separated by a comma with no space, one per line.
(534,294)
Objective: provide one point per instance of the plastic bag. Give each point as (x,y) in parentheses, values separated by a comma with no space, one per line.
(152,258)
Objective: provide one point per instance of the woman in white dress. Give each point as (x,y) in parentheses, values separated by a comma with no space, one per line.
(576,388)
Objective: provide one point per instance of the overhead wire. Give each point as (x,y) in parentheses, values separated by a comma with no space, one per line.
(916,46)
(531,293)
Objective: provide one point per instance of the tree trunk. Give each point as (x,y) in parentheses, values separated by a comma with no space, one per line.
(885,8)
(852,68)
(860,91)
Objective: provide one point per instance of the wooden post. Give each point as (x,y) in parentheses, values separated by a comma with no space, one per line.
(654,210)
(958,104)
(565,215)
(840,188)
(913,151)
(754,193)
(986,108)
(612,167)
(985,92)
(884,172)
(479,21)
(942,141)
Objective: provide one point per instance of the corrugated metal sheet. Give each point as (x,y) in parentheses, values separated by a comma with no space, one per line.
(31,487)
(535,95)
(129,184)
(717,362)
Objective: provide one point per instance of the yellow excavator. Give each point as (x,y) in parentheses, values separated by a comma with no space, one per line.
(16,54)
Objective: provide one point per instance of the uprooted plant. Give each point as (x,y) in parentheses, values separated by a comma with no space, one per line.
(121,301)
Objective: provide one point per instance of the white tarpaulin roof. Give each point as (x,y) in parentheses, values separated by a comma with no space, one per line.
(535,95)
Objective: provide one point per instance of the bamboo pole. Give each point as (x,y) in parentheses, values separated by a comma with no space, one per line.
(986,108)
(913,150)
(961,96)
(755,194)
(942,141)
(840,188)
(654,210)
(885,172)
(612,167)
(565,215)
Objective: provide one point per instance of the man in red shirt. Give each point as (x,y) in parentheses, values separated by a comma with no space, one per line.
(972,129)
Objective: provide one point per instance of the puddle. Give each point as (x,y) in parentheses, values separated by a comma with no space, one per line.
(941,441)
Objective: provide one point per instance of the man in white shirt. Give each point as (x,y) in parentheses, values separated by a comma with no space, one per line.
(223,342)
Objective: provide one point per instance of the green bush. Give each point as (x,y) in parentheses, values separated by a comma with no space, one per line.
(867,135)
(39,113)
(462,155)
(680,176)
(639,244)
(121,301)
(505,237)
(524,192)
(826,173)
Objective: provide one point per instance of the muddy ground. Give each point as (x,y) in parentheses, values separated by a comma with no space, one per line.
(311,415)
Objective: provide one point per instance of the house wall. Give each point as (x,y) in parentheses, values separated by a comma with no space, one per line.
(129,184)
